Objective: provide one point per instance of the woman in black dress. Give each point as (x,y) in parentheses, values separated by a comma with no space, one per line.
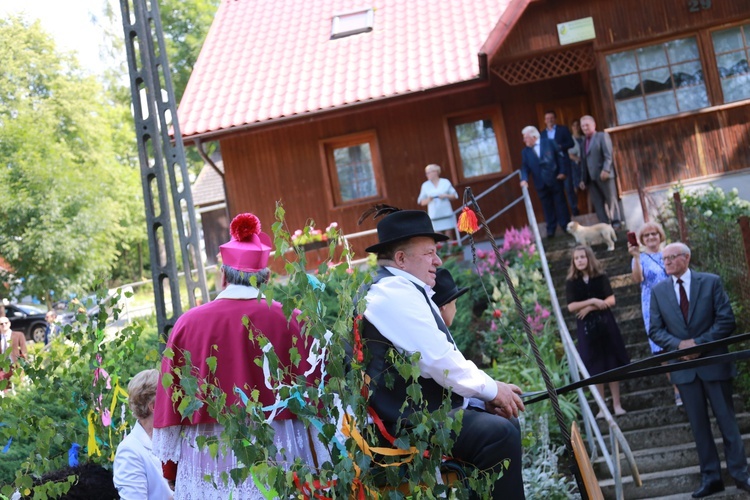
(590,298)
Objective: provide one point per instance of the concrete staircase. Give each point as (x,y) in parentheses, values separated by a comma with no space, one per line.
(657,431)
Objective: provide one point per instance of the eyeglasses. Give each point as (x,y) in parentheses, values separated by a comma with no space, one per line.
(646,235)
(4,322)
(670,258)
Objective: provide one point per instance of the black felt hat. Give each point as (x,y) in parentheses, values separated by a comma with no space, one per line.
(402,225)
(445,288)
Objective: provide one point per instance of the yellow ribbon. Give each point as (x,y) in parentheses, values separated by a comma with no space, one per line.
(93,448)
(350,430)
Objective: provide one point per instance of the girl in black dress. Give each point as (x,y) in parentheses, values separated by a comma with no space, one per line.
(590,298)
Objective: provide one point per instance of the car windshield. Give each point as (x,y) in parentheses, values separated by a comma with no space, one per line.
(30,309)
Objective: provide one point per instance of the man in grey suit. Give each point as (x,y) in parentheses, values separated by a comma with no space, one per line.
(689,309)
(599,173)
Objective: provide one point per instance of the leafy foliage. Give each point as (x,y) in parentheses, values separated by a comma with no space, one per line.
(64,391)
(326,302)
(67,200)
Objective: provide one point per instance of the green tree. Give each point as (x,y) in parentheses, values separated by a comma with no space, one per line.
(68,192)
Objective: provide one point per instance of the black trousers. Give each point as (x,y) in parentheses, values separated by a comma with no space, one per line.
(695,397)
(486,441)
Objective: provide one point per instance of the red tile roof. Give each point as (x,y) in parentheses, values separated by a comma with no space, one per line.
(268,59)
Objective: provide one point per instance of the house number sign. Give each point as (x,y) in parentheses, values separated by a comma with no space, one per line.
(698,5)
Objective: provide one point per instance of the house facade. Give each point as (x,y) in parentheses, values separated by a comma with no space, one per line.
(330,107)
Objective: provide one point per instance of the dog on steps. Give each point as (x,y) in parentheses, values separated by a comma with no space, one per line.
(593,235)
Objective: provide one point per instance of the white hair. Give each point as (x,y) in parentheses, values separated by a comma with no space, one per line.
(681,246)
(531,130)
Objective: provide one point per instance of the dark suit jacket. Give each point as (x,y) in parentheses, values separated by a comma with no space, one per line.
(598,157)
(710,317)
(543,168)
(564,140)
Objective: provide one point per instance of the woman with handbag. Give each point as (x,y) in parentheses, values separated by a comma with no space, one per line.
(590,298)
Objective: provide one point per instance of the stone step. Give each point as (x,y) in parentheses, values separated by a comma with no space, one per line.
(656,398)
(673,434)
(675,483)
(663,458)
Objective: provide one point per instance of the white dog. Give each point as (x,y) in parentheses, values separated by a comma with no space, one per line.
(593,235)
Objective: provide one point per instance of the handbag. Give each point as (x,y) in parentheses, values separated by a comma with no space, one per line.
(595,324)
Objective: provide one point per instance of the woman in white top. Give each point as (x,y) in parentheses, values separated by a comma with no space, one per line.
(436,194)
(137,472)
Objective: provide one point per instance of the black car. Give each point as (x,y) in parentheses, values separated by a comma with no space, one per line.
(27,319)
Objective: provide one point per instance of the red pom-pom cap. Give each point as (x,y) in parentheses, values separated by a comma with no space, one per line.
(244,227)
(249,249)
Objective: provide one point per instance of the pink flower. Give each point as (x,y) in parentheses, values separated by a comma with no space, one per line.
(493,326)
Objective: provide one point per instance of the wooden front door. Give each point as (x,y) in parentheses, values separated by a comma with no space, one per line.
(567,110)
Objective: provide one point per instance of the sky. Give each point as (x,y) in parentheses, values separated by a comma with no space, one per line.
(70,24)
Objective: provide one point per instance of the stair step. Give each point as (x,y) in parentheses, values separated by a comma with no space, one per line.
(680,482)
(674,434)
(663,458)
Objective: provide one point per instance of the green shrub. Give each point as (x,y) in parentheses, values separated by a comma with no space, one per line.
(61,386)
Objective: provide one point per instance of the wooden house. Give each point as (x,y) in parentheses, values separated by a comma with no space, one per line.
(333,105)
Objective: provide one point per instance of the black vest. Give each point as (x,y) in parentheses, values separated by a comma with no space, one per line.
(387,401)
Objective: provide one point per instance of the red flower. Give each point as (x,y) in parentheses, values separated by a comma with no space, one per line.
(244,226)
(497,313)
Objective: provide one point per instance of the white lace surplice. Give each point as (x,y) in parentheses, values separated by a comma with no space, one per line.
(178,444)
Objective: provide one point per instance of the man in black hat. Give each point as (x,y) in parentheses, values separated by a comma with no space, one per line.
(400,314)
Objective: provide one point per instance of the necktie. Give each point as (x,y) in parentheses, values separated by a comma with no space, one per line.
(587,145)
(684,304)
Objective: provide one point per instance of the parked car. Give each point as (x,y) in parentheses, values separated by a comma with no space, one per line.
(27,319)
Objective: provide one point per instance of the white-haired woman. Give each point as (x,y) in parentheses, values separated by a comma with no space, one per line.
(436,194)
(137,472)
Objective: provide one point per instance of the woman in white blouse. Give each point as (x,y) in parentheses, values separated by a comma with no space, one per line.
(436,194)
(137,472)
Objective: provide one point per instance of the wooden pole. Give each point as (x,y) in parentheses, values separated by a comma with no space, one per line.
(680,214)
(744,222)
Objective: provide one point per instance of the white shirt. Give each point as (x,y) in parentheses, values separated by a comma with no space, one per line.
(537,148)
(137,472)
(685,282)
(4,341)
(400,313)
(551,133)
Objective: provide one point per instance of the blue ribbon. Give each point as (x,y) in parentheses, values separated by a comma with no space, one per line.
(73,455)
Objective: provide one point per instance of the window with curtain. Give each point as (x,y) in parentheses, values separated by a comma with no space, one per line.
(478,148)
(353,168)
(732,48)
(657,80)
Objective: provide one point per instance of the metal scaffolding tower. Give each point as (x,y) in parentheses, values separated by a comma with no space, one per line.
(161,157)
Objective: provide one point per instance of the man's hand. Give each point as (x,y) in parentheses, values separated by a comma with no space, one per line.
(508,402)
(560,177)
(685,344)
(582,186)
(524,184)
(604,175)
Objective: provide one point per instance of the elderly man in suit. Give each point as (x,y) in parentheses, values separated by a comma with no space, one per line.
(689,309)
(562,136)
(12,347)
(541,158)
(599,172)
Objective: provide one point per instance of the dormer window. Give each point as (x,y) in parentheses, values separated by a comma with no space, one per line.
(352,23)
